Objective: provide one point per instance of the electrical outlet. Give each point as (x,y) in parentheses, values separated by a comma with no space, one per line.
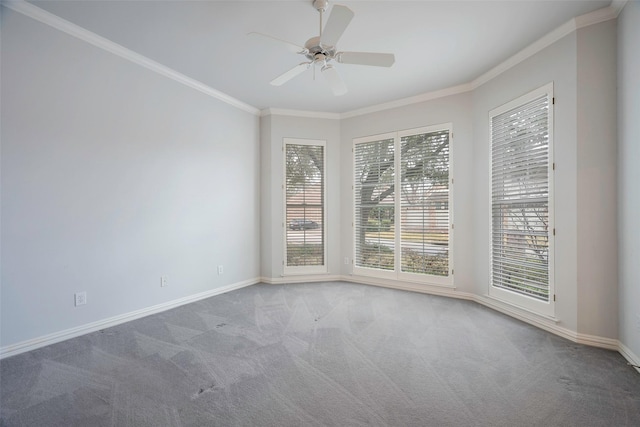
(638,322)
(346,260)
(220,269)
(164,281)
(80,298)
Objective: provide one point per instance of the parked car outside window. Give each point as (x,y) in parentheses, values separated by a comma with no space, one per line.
(302,224)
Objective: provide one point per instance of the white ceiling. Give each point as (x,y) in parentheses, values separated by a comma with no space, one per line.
(437,44)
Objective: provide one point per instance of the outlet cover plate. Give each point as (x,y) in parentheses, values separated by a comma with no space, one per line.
(80,298)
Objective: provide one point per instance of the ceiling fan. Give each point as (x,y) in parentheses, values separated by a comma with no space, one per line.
(321,50)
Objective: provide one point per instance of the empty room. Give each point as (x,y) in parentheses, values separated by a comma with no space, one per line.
(315,213)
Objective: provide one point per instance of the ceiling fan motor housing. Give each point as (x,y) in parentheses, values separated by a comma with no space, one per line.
(318,52)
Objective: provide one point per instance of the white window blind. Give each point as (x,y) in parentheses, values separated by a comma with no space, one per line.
(375,204)
(304,200)
(402,196)
(424,203)
(520,198)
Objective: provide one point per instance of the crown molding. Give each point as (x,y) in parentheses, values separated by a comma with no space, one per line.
(47,18)
(368,110)
(564,30)
(617,6)
(299,113)
(546,41)
(597,16)
(454,90)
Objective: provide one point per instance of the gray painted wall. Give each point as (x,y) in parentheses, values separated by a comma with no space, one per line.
(267,215)
(111,177)
(596,163)
(629,175)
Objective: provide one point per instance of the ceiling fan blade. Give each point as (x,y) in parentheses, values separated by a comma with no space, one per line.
(335,81)
(283,78)
(366,58)
(291,46)
(336,24)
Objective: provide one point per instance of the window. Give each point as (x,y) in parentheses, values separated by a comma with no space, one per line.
(405,234)
(375,204)
(424,203)
(304,206)
(521,220)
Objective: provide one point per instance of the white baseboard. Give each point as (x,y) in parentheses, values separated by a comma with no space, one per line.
(548,324)
(306,278)
(446,291)
(596,341)
(629,355)
(32,344)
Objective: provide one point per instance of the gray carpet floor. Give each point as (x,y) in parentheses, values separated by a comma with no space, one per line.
(325,354)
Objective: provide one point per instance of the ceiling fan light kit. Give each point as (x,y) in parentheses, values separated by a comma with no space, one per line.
(321,50)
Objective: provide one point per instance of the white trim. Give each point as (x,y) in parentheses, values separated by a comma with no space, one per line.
(546,89)
(466,87)
(537,46)
(312,269)
(617,6)
(547,40)
(595,341)
(299,113)
(94,39)
(301,278)
(507,307)
(596,17)
(423,288)
(629,355)
(32,344)
(548,324)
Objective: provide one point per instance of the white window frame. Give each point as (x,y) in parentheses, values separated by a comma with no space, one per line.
(397,273)
(545,308)
(307,269)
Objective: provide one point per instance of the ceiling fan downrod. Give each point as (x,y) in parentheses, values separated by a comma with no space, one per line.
(321,6)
